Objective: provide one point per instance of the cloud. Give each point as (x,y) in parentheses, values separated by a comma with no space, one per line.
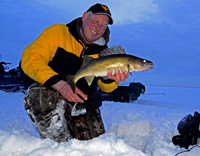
(134,11)
(123,12)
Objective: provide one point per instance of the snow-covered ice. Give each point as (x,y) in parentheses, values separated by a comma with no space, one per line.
(143,127)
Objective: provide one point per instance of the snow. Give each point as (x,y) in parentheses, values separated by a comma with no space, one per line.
(165,32)
(142,128)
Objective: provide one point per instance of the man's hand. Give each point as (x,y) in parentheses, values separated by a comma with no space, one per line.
(118,76)
(65,90)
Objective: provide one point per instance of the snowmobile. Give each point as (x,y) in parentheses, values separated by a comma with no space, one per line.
(13,80)
(124,93)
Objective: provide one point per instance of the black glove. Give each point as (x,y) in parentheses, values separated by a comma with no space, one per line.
(136,88)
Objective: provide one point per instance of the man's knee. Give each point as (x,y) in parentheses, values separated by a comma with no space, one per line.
(87,126)
(41,100)
(46,109)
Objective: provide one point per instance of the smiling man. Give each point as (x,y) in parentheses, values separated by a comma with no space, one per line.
(93,27)
(58,52)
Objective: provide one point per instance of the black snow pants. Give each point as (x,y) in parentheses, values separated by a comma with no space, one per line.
(51,116)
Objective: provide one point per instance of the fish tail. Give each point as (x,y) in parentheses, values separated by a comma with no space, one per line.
(70,81)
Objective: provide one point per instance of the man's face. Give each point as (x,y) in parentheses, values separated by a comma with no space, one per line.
(93,26)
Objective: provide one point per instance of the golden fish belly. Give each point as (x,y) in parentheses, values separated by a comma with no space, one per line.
(100,69)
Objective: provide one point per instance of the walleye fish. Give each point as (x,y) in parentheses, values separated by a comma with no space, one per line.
(115,60)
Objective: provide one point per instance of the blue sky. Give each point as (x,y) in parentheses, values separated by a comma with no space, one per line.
(165,32)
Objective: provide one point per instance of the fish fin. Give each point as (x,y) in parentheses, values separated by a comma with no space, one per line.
(87,59)
(89,79)
(129,71)
(112,51)
(70,81)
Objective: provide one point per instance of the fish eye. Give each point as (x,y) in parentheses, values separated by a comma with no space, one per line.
(144,61)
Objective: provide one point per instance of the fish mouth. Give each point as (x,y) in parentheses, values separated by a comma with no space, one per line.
(147,67)
(151,66)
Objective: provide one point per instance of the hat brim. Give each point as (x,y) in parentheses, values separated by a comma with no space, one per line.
(110,18)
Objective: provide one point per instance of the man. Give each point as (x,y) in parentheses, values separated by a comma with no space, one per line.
(2,68)
(58,52)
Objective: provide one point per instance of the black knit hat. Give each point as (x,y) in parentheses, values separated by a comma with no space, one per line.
(101,9)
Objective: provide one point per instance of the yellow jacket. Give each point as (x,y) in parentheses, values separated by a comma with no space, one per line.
(58,52)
